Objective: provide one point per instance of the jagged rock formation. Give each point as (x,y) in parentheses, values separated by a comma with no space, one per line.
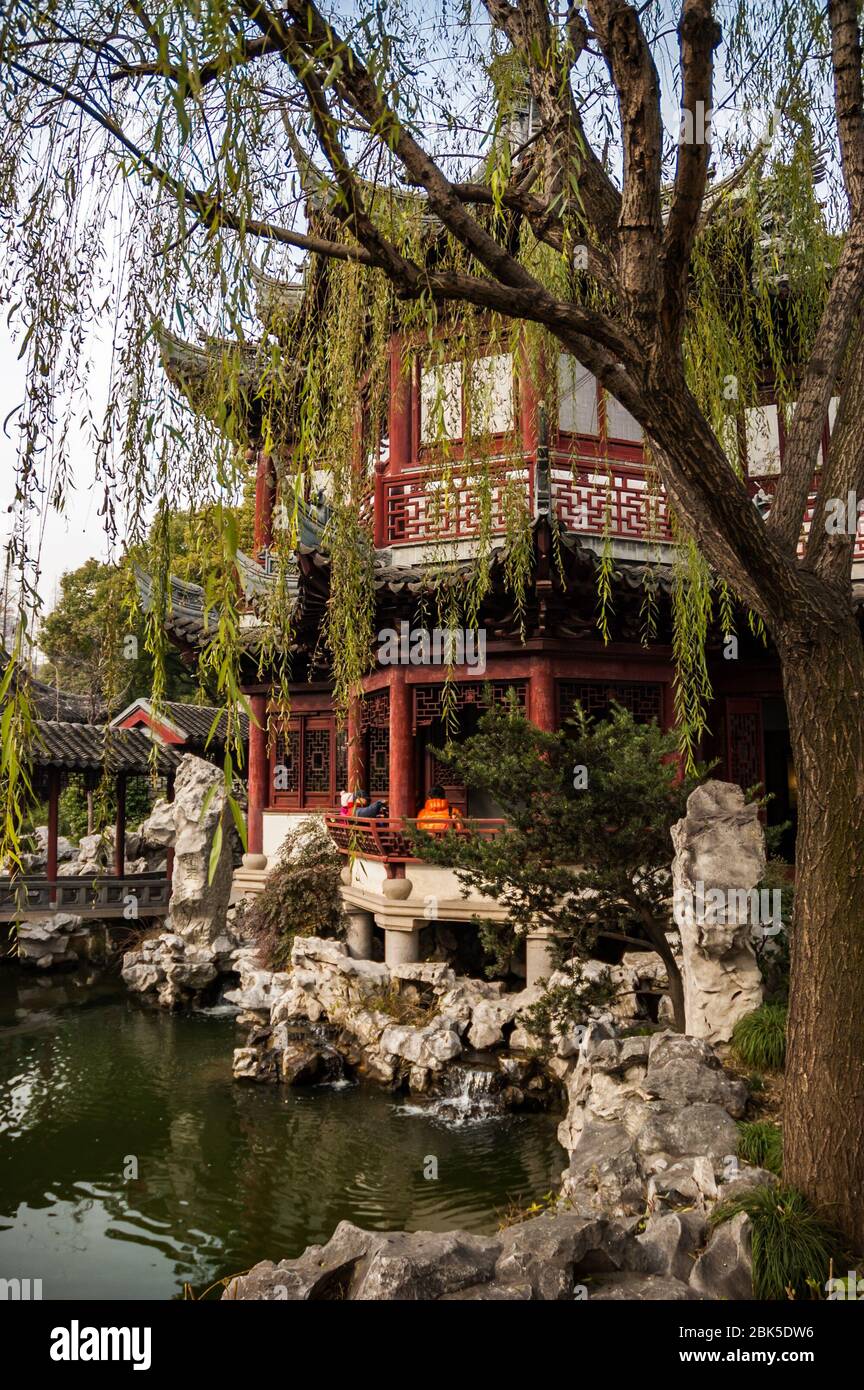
(719,858)
(370,1005)
(198,945)
(650,1123)
(559,1256)
(387,1040)
(60,939)
(198,904)
(174,973)
(650,1133)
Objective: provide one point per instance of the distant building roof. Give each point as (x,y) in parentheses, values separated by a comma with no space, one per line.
(176,723)
(86,747)
(49,702)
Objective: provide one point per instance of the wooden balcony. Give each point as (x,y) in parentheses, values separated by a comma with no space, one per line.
(389,840)
(35,896)
(592,496)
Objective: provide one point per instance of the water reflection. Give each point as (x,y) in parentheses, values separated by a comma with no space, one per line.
(131,1163)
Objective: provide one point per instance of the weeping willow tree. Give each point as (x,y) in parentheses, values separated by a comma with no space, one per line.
(495,172)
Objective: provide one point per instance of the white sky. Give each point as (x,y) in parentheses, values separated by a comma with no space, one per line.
(67,540)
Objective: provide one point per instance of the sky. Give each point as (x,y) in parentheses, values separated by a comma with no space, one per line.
(67,540)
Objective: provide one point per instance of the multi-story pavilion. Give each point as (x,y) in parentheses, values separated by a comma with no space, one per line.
(584,478)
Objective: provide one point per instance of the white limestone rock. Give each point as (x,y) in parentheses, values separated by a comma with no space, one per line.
(719,844)
(199,906)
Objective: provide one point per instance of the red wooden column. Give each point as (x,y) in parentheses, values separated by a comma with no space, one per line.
(265,498)
(356,750)
(541,695)
(402,799)
(379,502)
(53,826)
(257,790)
(169,853)
(400,409)
(120,827)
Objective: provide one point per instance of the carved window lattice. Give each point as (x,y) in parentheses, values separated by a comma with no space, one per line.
(304,761)
(745,748)
(378,762)
(316,760)
(644,700)
(286,761)
(375,710)
(427,698)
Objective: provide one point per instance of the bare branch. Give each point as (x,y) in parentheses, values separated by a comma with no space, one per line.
(631,67)
(528,28)
(848,103)
(699,35)
(818,384)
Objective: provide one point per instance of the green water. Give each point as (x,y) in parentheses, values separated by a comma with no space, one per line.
(131,1163)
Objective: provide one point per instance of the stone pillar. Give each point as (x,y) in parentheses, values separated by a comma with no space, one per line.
(538,957)
(541,695)
(358,937)
(401,947)
(254,858)
(719,860)
(120,828)
(402,800)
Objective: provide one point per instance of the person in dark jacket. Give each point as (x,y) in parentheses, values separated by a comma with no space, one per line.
(364,809)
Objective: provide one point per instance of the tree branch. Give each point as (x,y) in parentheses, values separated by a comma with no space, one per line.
(699,35)
(528,28)
(640,228)
(817,385)
(848,102)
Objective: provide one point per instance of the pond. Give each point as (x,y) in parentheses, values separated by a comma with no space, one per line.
(132,1164)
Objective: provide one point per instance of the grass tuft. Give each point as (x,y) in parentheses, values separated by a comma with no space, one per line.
(759,1039)
(793,1247)
(761,1142)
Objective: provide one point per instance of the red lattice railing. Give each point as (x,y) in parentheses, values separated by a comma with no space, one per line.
(594,499)
(434,504)
(590,496)
(389,839)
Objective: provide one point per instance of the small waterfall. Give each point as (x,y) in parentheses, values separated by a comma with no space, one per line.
(318,1039)
(468,1093)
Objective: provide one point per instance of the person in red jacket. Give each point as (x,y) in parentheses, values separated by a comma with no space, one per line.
(437,814)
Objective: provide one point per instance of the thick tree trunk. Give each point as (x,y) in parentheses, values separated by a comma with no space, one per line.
(823,1129)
